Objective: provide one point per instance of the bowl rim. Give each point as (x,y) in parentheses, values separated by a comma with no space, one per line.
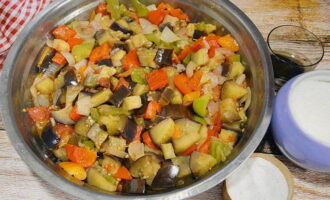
(199,186)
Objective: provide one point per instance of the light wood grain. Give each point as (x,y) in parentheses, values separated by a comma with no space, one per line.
(17,181)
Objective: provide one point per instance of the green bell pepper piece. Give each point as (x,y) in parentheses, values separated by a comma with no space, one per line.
(200,105)
(138,75)
(199,119)
(110,179)
(187,59)
(113,7)
(220,151)
(153,37)
(123,10)
(83,50)
(95,114)
(140,9)
(235,58)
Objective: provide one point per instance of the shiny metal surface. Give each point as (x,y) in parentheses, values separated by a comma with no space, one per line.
(18,73)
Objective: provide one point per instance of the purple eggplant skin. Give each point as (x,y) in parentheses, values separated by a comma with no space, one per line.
(116,27)
(122,46)
(176,111)
(135,186)
(129,130)
(106,61)
(163,26)
(46,61)
(118,96)
(225,69)
(166,177)
(198,34)
(70,78)
(163,57)
(49,137)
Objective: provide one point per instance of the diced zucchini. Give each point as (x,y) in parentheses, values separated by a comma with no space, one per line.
(110,164)
(120,54)
(183,163)
(189,135)
(83,125)
(145,167)
(101,97)
(111,110)
(45,86)
(96,179)
(228,109)
(115,124)
(200,57)
(60,153)
(148,149)
(135,27)
(190,29)
(162,132)
(135,150)
(203,134)
(83,50)
(132,102)
(168,151)
(235,69)
(177,97)
(140,89)
(220,151)
(116,146)
(97,135)
(146,57)
(230,89)
(228,137)
(91,80)
(140,40)
(200,163)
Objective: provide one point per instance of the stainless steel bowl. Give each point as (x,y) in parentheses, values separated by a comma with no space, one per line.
(19,71)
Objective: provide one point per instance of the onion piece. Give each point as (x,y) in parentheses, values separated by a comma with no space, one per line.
(248,99)
(84,104)
(80,64)
(190,69)
(84,29)
(152,7)
(212,107)
(51,70)
(180,68)
(270,178)
(147,27)
(50,43)
(69,57)
(240,79)
(206,44)
(168,36)
(214,80)
(218,70)
(224,51)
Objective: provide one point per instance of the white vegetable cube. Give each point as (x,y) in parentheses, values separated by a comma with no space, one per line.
(132,102)
(61,45)
(168,151)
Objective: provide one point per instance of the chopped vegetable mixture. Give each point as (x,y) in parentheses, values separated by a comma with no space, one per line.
(139,98)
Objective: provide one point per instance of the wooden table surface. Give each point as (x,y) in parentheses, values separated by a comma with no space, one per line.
(17,181)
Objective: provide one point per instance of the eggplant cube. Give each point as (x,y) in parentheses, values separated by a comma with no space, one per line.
(165,177)
(135,186)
